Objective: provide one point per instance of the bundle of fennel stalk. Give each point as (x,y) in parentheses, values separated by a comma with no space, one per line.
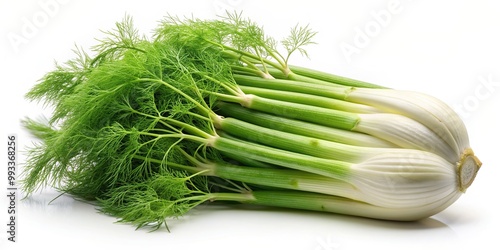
(211,110)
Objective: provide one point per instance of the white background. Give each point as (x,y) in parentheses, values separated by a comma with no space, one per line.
(449,49)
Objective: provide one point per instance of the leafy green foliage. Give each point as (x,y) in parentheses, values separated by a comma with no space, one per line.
(57,85)
(240,39)
(149,202)
(298,39)
(116,42)
(127,114)
(137,103)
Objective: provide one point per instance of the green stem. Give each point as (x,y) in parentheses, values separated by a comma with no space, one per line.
(174,165)
(239,197)
(300,127)
(292,142)
(331,78)
(300,78)
(268,177)
(233,89)
(313,202)
(276,73)
(317,115)
(186,127)
(226,97)
(242,160)
(237,54)
(309,99)
(284,158)
(337,92)
(248,70)
(319,202)
(203,107)
(283,178)
(181,125)
(198,116)
(279,59)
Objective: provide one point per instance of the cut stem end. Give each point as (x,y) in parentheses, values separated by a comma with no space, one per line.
(468,166)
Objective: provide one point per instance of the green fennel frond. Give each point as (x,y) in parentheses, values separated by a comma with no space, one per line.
(124,37)
(299,38)
(135,105)
(54,87)
(241,40)
(151,202)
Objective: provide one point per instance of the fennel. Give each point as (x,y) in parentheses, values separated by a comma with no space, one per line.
(212,111)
